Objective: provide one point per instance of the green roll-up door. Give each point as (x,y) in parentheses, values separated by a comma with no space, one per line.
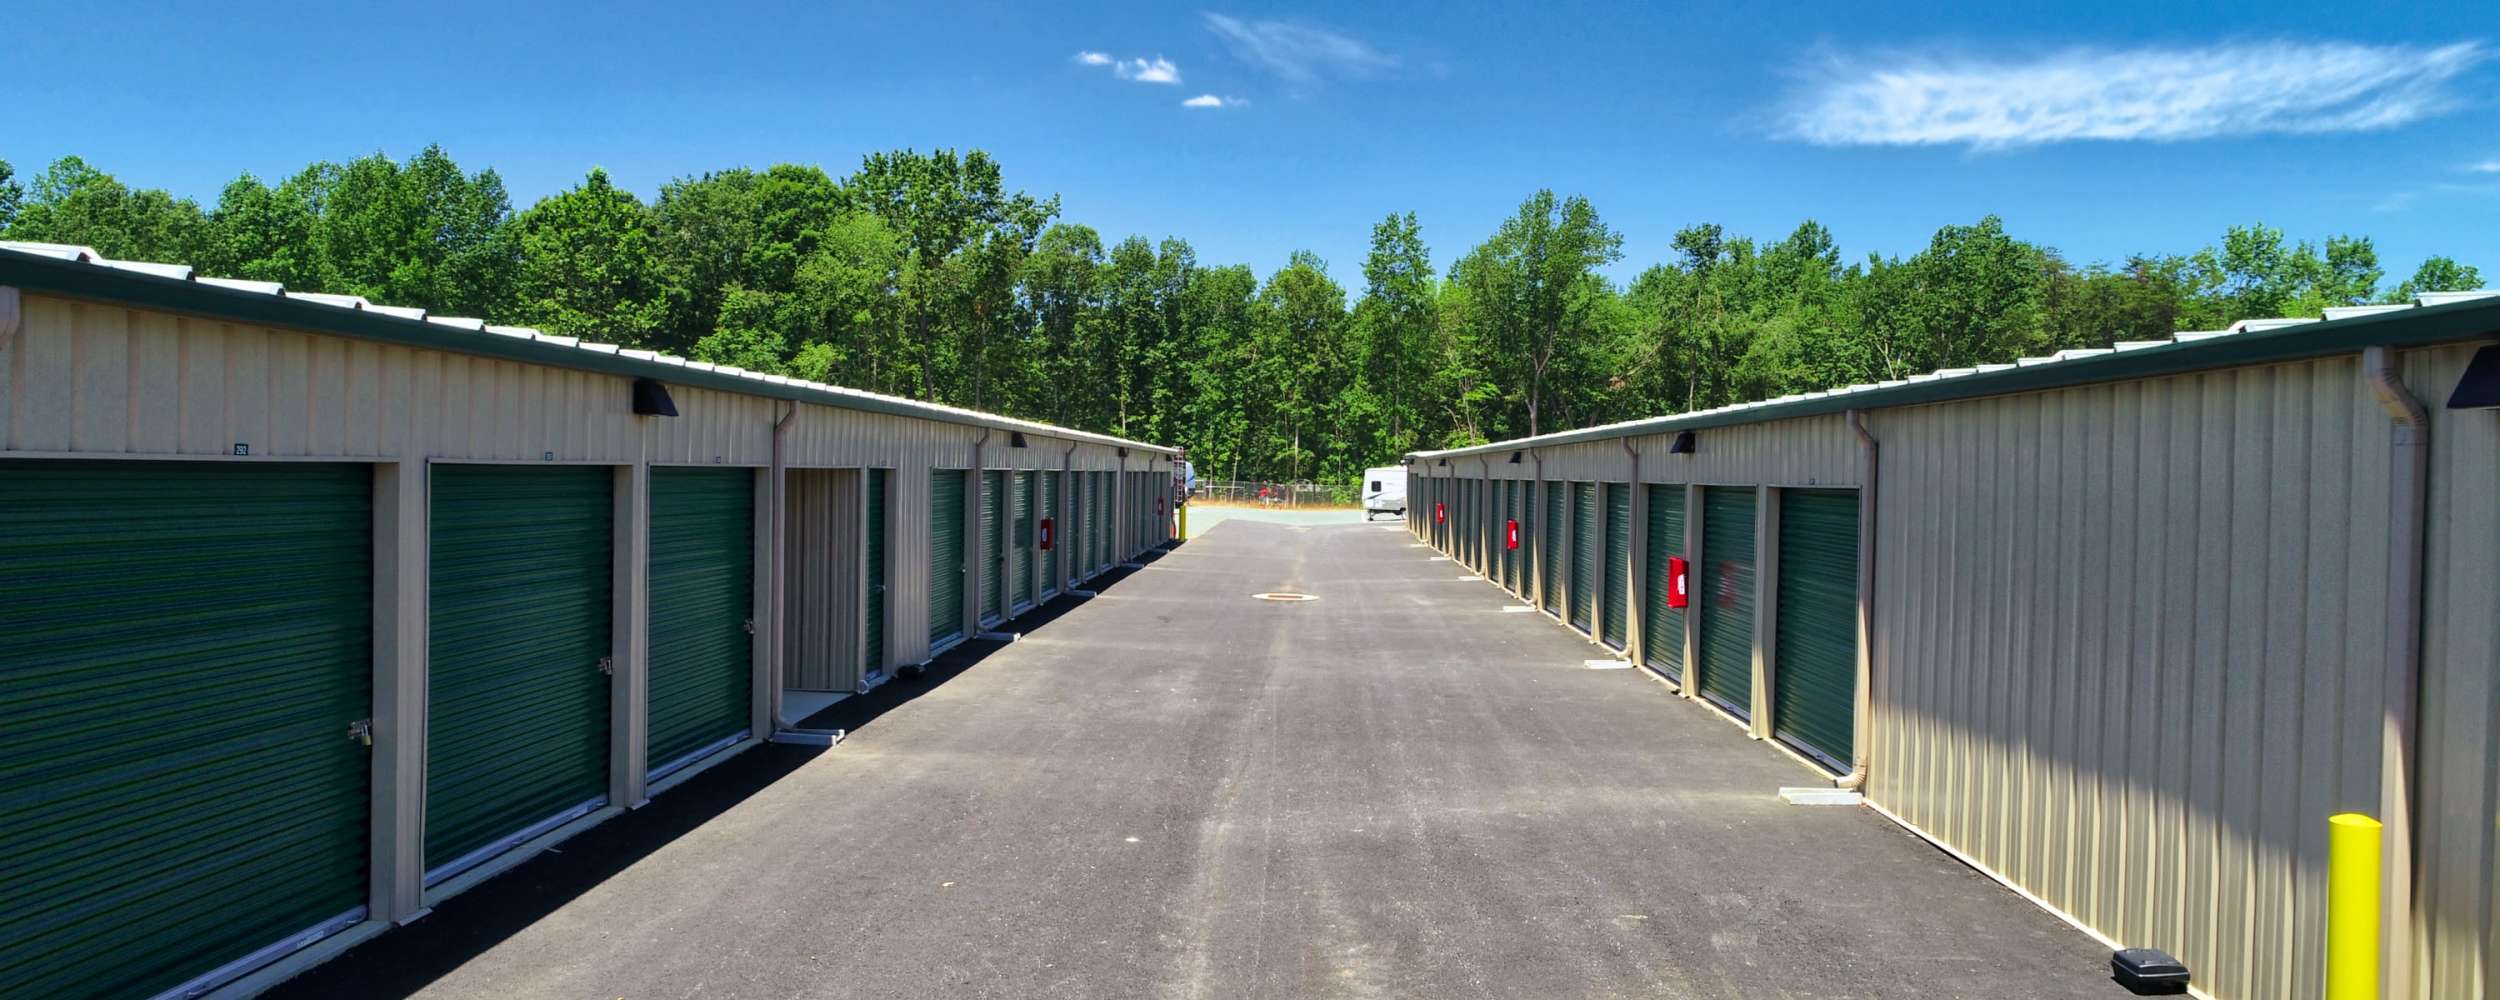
(1054,512)
(1815,683)
(1524,561)
(1556,512)
(1724,592)
(1087,498)
(946,556)
(1618,565)
(1475,525)
(1662,635)
(1434,512)
(1584,553)
(994,547)
(1444,515)
(876,571)
(702,605)
(1021,538)
(517,710)
(183,647)
(1501,533)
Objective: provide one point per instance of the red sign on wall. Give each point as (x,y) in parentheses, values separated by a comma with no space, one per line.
(1510,533)
(1439,515)
(1047,532)
(1677,594)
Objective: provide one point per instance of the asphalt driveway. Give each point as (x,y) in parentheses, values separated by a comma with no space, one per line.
(1173,790)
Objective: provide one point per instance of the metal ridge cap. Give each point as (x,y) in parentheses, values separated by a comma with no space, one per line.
(55,275)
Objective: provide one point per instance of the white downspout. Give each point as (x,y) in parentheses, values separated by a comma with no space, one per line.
(2409,474)
(1869,450)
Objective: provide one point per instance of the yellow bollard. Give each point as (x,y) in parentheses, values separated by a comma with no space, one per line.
(2352,907)
(1184,536)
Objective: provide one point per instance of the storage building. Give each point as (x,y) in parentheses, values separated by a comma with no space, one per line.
(314,611)
(2121,628)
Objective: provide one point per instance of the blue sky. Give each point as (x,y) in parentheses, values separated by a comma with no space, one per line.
(2101,129)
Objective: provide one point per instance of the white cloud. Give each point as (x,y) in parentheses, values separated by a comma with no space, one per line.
(1156,70)
(1212,101)
(2158,94)
(1299,54)
(1093,58)
(2485,167)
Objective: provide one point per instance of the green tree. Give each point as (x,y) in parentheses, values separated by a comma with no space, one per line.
(1394,322)
(72,202)
(2437,274)
(11,193)
(1300,357)
(588,266)
(1527,286)
(264,234)
(416,234)
(1058,288)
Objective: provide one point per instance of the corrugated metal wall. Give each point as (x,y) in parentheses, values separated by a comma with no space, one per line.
(88,378)
(907,569)
(80,379)
(2458,934)
(1808,451)
(2129,638)
(821,644)
(2207,550)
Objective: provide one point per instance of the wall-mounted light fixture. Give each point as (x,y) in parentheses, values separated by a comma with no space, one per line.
(1514,457)
(2479,388)
(1015,439)
(651,399)
(1683,444)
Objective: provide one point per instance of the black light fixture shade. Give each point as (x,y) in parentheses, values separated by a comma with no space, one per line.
(1015,439)
(1514,457)
(1683,444)
(2479,389)
(1445,463)
(651,399)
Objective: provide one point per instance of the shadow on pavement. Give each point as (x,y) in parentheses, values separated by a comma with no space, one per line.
(409,958)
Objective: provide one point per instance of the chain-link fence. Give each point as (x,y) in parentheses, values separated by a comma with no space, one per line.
(1280,494)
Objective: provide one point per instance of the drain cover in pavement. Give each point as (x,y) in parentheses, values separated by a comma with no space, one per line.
(1286,596)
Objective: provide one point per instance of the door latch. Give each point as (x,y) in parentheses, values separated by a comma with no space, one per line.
(361,731)
(750,624)
(607,665)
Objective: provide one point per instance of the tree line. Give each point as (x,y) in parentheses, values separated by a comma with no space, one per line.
(923,275)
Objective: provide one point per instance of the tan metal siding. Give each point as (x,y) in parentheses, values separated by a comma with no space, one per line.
(95,379)
(822,643)
(1810,451)
(2187,545)
(2458,934)
(907,569)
